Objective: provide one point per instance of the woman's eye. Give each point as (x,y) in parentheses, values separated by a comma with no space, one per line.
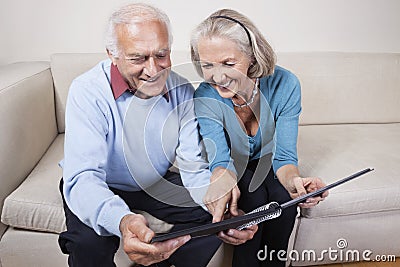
(229,64)
(206,66)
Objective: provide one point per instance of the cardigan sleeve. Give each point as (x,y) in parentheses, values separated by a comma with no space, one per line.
(286,120)
(209,115)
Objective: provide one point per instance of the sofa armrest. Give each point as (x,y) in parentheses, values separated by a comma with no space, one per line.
(27,121)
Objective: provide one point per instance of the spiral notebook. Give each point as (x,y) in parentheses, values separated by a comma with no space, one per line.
(263,213)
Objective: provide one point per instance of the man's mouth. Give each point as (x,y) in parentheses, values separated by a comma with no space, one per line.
(152,79)
(159,76)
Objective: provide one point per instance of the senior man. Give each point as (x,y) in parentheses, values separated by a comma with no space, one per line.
(127,119)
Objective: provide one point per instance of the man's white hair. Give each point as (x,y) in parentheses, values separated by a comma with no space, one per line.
(131,14)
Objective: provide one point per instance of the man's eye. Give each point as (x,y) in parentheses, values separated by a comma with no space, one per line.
(160,56)
(137,60)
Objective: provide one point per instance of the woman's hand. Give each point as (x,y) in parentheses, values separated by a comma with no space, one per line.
(237,237)
(297,186)
(222,194)
(301,186)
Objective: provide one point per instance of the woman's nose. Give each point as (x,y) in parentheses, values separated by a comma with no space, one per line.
(219,76)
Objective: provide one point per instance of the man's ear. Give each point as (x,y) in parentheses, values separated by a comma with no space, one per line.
(110,55)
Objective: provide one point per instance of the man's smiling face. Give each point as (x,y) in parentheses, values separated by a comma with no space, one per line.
(144,56)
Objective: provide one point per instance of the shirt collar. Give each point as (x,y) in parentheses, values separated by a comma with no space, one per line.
(120,86)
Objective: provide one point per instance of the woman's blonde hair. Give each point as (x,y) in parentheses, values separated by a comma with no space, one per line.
(232,25)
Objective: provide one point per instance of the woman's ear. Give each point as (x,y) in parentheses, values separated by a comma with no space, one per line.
(250,70)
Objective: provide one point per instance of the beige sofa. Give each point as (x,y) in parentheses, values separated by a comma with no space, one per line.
(350,120)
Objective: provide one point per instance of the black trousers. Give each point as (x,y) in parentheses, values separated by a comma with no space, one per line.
(86,248)
(274,233)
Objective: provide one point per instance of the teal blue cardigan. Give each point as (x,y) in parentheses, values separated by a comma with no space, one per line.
(228,145)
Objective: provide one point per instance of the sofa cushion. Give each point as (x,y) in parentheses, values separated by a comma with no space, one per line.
(329,80)
(31,248)
(374,232)
(65,68)
(335,151)
(27,119)
(342,87)
(37,205)
(26,248)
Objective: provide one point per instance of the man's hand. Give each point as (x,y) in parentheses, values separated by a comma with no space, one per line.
(237,237)
(222,193)
(136,238)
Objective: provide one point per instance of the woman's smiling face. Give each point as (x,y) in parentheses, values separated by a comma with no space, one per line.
(224,66)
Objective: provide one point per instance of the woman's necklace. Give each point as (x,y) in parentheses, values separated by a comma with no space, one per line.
(253,95)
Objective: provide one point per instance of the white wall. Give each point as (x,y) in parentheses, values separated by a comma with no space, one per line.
(32,30)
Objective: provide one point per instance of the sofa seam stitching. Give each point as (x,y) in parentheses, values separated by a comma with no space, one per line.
(33,202)
(25,78)
(349,214)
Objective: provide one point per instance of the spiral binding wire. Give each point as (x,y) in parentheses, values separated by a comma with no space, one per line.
(267,217)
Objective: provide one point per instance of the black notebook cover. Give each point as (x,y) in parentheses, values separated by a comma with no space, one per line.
(235,222)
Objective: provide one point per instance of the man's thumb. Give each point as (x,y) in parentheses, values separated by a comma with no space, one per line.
(144,233)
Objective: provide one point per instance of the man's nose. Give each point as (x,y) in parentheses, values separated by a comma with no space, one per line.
(151,67)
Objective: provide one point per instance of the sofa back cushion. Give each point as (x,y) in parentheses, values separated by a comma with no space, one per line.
(347,87)
(65,68)
(337,87)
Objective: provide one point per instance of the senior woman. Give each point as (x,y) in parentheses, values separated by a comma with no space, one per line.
(248,112)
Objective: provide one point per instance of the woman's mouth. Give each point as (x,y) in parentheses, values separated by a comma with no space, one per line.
(225,86)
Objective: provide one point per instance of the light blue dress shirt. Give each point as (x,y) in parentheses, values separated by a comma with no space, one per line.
(94,156)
